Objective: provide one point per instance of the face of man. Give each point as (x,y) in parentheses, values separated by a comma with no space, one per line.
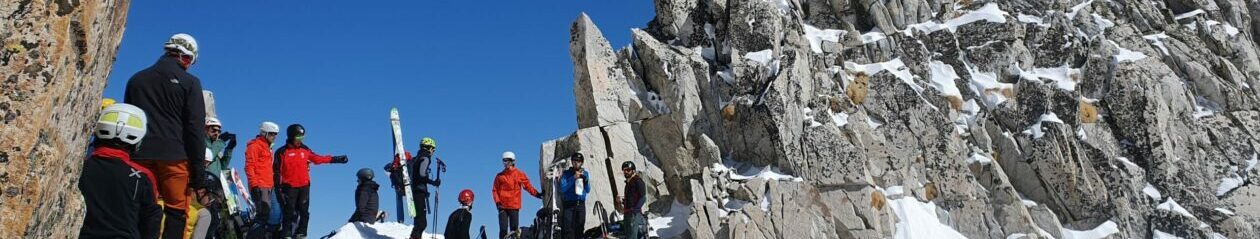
(213,131)
(507,163)
(270,137)
(577,164)
(627,172)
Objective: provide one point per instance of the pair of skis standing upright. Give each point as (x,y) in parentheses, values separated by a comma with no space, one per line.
(400,152)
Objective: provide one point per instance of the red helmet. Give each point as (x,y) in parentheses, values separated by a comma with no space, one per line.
(466,197)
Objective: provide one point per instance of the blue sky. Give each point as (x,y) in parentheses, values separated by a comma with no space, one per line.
(480,77)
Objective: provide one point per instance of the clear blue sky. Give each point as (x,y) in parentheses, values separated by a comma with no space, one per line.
(480,77)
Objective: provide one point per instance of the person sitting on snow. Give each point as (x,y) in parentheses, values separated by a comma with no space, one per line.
(366,200)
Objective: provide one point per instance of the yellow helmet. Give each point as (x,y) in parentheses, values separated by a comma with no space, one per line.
(428,142)
(107,102)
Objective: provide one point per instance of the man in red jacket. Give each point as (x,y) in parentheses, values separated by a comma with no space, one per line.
(259,169)
(294,160)
(507,194)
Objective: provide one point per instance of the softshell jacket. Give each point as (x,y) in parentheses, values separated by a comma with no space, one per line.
(222,157)
(120,197)
(366,202)
(259,164)
(568,186)
(635,191)
(507,188)
(457,224)
(172,101)
(295,164)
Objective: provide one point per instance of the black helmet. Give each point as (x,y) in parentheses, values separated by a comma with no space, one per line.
(365,174)
(578,157)
(628,165)
(295,130)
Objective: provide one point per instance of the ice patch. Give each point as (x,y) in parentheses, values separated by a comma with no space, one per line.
(919,220)
(671,224)
(943,77)
(1151,192)
(1036,130)
(1063,77)
(873,36)
(1172,206)
(1102,231)
(1126,55)
(817,36)
(989,12)
(385,230)
(1190,14)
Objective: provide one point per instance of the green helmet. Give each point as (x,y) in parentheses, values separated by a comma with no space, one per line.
(428,142)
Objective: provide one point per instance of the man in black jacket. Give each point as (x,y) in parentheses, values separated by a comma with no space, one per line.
(457,224)
(175,144)
(366,200)
(632,206)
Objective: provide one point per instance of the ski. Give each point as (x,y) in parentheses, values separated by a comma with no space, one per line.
(401,153)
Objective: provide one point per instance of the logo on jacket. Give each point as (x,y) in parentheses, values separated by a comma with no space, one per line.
(173,80)
(134,173)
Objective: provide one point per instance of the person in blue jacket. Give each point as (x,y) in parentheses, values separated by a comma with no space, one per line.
(574,186)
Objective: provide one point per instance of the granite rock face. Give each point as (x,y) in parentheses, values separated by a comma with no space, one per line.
(53,68)
(999,119)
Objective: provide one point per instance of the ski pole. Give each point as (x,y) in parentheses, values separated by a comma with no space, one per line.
(437,189)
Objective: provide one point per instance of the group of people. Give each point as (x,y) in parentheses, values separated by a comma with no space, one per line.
(157,149)
(156,162)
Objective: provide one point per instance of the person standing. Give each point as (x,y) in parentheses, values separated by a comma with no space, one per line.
(175,146)
(574,187)
(632,206)
(366,199)
(221,145)
(459,221)
(120,196)
(259,169)
(295,159)
(507,194)
(418,170)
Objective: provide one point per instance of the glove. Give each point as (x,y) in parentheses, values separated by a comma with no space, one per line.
(200,180)
(230,138)
(341,159)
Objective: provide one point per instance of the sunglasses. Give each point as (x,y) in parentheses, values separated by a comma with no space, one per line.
(216,130)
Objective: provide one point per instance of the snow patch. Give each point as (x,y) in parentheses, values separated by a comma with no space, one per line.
(873,36)
(1029,19)
(943,77)
(1077,9)
(817,36)
(1230,182)
(875,124)
(1158,41)
(809,115)
(672,224)
(1156,234)
(1225,211)
(750,172)
(385,230)
(1063,77)
(979,157)
(840,118)
(1152,192)
(1103,23)
(1126,55)
(1230,29)
(1036,130)
(1102,231)
(1190,14)
(763,56)
(987,83)
(1172,206)
(919,220)
(989,12)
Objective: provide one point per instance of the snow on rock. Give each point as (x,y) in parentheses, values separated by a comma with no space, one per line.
(917,219)
(817,36)
(1102,231)
(894,66)
(1158,41)
(750,172)
(1063,77)
(1230,29)
(1036,131)
(1102,22)
(987,83)
(1030,19)
(1151,192)
(943,77)
(979,157)
(1077,8)
(1189,14)
(1230,182)
(1156,234)
(1126,55)
(989,12)
(809,116)
(1172,206)
(672,224)
(763,56)
(873,36)
(387,230)
(1225,211)
(840,118)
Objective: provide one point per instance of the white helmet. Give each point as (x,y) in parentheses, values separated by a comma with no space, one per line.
(509,155)
(121,121)
(183,43)
(212,121)
(269,127)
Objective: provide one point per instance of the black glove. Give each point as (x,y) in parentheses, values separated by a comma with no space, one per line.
(202,180)
(342,159)
(230,138)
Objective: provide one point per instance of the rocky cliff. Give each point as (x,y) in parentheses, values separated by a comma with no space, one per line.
(930,118)
(54,64)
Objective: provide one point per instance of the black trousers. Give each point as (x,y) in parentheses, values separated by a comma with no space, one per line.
(262,204)
(509,221)
(296,210)
(572,219)
(421,200)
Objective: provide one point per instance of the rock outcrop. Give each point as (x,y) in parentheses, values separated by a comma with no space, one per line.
(977,119)
(53,68)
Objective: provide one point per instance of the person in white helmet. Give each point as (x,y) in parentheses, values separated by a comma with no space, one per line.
(175,146)
(259,171)
(507,195)
(119,195)
(221,144)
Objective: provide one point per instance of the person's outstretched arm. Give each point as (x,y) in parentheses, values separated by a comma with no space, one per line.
(528,186)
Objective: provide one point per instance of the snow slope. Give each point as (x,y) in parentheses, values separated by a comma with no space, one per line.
(387,230)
